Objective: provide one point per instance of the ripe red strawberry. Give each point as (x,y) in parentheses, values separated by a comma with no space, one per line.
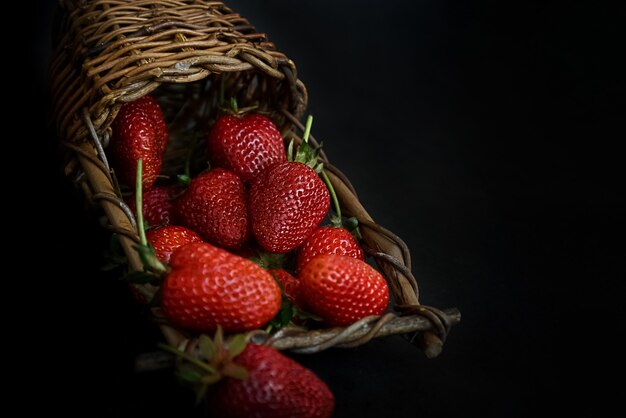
(139,131)
(328,240)
(291,285)
(287,202)
(214,205)
(158,205)
(167,239)
(276,387)
(342,289)
(208,286)
(247,145)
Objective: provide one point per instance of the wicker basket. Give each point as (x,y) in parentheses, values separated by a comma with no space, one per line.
(111,52)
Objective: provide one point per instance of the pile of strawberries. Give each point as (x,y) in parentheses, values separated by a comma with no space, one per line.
(240,245)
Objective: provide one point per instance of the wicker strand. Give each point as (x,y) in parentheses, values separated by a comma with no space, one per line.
(371,333)
(115,199)
(406,254)
(95,139)
(397,264)
(92,158)
(302,341)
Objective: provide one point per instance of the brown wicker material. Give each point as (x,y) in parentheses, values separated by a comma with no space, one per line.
(109,52)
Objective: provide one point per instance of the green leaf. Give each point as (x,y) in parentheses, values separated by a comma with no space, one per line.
(235,371)
(233,105)
(303,153)
(184,179)
(270,261)
(318,168)
(236,345)
(352,225)
(219,337)
(207,346)
(284,315)
(210,378)
(189,374)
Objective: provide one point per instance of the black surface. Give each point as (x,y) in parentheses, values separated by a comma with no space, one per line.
(483,134)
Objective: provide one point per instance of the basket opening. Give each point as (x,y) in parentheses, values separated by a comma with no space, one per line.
(191,109)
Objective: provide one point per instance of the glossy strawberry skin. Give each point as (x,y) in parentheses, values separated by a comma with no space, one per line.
(214,205)
(167,239)
(328,240)
(342,289)
(287,202)
(246,145)
(208,286)
(277,387)
(139,131)
(290,284)
(158,205)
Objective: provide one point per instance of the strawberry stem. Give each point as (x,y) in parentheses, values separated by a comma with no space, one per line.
(306,154)
(146,252)
(307,129)
(204,366)
(139,203)
(336,222)
(185,178)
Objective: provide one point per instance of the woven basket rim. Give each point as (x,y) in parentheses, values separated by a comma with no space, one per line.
(165,42)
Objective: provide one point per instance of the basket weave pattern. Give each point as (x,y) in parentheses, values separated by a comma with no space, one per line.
(111,52)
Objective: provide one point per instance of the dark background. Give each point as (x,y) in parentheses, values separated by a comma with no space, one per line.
(482,133)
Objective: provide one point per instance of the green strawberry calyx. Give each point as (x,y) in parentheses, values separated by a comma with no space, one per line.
(213,360)
(305,153)
(352,225)
(269,261)
(232,108)
(309,156)
(289,313)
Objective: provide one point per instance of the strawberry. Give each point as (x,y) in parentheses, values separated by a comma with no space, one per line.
(328,240)
(247,145)
(342,289)
(208,286)
(214,205)
(290,284)
(167,239)
(158,205)
(276,387)
(287,202)
(139,131)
